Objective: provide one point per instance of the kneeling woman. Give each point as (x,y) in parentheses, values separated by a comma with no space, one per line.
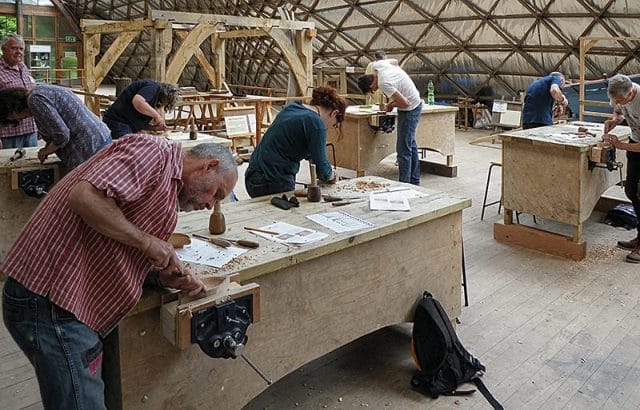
(298,132)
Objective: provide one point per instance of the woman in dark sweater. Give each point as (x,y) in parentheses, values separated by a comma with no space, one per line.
(298,132)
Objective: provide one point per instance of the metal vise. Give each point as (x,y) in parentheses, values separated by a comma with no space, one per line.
(381,121)
(603,156)
(220,330)
(36,183)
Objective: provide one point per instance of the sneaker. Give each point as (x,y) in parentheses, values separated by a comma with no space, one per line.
(628,245)
(634,257)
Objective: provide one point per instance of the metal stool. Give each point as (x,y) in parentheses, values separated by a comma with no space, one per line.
(486,190)
(499,202)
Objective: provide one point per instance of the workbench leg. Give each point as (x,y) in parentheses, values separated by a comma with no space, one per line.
(449,160)
(508,216)
(577,233)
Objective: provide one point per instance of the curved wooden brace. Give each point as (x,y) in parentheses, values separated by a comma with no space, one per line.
(187,49)
(283,41)
(208,69)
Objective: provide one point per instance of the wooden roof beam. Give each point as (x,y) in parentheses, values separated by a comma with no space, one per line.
(239,21)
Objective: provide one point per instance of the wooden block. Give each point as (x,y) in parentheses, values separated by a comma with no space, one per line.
(438,169)
(540,240)
(175,317)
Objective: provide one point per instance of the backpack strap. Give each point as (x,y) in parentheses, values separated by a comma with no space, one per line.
(487,394)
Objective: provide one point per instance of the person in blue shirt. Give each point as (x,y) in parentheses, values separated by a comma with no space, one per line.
(298,132)
(538,102)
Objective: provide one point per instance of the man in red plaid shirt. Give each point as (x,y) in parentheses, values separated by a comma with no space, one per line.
(14,73)
(78,265)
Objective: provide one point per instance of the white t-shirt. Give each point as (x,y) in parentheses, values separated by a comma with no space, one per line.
(631,112)
(392,78)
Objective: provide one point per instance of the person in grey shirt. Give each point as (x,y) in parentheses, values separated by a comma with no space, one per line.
(70,130)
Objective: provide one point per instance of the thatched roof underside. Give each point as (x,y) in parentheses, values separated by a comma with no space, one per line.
(468,47)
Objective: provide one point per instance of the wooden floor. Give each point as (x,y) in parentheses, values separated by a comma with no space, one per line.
(553,333)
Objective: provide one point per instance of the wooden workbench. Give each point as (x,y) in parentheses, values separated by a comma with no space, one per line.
(184,140)
(313,299)
(16,207)
(545,172)
(359,147)
(436,132)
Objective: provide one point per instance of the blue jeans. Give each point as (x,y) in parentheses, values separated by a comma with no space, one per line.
(406,147)
(20,141)
(66,354)
(118,129)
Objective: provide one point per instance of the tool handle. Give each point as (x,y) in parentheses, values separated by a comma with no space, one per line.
(312,172)
(248,228)
(220,242)
(341,202)
(247,244)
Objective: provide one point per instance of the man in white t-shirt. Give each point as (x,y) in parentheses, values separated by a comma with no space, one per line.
(626,102)
(379,55)
(403,94)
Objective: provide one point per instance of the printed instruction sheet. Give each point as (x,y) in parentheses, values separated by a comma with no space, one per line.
(206,253)
(290,234)
(340,221)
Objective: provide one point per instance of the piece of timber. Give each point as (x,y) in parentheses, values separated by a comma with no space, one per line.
(546,173)
(313,299)
(544,241)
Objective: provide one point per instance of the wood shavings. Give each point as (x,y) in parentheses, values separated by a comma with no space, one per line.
(229,267)
(362,186)
(596,255)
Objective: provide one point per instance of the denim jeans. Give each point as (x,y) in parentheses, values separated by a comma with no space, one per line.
(66,354)
(118,129)
(20,141)
(406,147)
(258,185)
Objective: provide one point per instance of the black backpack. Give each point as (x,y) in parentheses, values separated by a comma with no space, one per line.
(443,363)
(622,215)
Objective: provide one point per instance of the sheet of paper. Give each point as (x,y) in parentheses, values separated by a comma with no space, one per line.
(206,253)
(499,106)
(290,234)
(236,124)
(252,122)
(340,221)
(393,199)
(388,201)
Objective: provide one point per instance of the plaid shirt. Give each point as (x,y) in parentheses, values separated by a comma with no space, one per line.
(17,76)
(95,277)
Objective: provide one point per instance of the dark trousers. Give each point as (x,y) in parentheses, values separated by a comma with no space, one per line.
(633,179)
(257,184)
(533,125)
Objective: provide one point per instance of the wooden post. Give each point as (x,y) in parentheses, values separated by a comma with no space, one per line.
(219,51)
(161,36)
(91,50)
